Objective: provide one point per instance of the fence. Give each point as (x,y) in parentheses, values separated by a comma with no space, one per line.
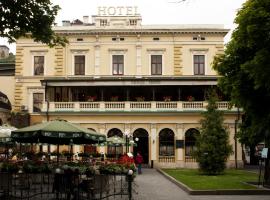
(64,186)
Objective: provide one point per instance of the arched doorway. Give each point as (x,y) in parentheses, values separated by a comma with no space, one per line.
(142,144)
(115,150)
(190,140)
(166,142)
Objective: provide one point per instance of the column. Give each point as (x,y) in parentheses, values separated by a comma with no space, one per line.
(138,60)
(180,135)
(97,60)
(154,142)
(102,130)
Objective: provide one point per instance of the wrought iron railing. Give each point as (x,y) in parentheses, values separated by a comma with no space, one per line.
(64,186)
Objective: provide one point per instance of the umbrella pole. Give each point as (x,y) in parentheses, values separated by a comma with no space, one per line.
(57,153)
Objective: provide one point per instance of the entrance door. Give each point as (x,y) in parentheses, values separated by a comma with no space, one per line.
(142,144)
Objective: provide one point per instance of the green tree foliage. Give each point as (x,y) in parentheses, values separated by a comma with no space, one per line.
(212,145)
(34,18)
(245,69)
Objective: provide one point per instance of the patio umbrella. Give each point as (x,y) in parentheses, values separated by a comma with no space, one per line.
(5,139)
(57,132)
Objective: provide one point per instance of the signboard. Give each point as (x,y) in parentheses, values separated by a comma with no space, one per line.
(264,152)
(179,144)
(117,11)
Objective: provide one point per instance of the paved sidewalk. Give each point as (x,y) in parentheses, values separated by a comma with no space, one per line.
(151,185)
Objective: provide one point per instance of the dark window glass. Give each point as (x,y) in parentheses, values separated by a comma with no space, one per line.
(166,143)
(79,65)
(156,64)
(38,65)
(37,102)
(118,64)
(199,64)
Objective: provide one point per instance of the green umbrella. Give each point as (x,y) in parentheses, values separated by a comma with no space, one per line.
(57,132)
(117,141)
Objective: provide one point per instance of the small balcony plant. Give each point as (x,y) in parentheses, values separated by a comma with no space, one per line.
(114,98)
(190,98)
(92,98)
(139,98)
(167,98)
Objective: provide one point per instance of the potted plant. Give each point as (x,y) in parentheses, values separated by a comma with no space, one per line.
(190,98)
(139,98)
(92,98)
(114,98)
(167,98)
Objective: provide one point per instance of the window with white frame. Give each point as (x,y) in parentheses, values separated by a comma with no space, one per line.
(38,65)
(37,101)
(156,64)
(199,64)
(79,65)
(118,64)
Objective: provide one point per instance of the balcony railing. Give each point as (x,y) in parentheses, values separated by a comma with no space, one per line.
(129,106)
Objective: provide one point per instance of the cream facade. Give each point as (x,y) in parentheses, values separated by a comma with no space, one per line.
(117,76)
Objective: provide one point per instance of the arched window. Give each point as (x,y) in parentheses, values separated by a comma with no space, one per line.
(166,142)
(115,149)
(190,140)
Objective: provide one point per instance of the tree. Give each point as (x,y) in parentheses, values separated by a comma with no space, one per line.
(29,18)
(245,70)
(212,144)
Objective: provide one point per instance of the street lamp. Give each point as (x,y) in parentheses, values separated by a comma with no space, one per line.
(126,133)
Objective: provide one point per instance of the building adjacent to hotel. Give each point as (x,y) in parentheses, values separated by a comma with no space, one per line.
(119,77)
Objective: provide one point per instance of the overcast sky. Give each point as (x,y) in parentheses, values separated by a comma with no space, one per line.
(157,11)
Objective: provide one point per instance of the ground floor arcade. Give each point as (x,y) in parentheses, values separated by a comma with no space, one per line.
(164,140)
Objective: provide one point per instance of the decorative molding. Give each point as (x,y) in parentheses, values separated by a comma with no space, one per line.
(79,51)
(199,50)
(117,51)
(156,51)
(153,126)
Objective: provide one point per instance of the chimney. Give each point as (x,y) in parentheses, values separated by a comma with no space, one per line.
(85,19)
(66,23)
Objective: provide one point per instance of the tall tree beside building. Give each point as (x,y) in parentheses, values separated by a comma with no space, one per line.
(245,70)
(32,18)
(212,145)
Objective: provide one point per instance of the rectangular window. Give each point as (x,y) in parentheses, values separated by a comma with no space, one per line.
(156,64)
(39,65)
(118,64)
(79,65)
(37,102)
(199,64)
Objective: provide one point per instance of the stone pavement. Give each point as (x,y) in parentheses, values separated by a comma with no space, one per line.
(151,185)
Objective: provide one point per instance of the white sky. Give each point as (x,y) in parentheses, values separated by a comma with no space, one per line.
(156,11)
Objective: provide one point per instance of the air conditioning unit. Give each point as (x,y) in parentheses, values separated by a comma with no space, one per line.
(24,108)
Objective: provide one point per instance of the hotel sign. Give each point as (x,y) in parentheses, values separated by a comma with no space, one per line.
(117,10)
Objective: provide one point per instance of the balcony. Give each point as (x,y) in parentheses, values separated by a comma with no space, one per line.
(133,106)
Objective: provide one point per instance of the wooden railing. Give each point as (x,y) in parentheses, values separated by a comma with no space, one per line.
(126,106)
(166,159)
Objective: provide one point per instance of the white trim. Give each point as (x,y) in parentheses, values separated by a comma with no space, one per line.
(205,64)
(73,62)
(38,53)
(150,61)
(31,99)
(117,52)
(197,52)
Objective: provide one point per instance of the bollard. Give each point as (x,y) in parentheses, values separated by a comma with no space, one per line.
(129,178)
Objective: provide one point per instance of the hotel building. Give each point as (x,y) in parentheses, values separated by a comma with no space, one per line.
(119,77)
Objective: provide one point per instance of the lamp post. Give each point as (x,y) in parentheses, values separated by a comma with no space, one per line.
(126,133)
